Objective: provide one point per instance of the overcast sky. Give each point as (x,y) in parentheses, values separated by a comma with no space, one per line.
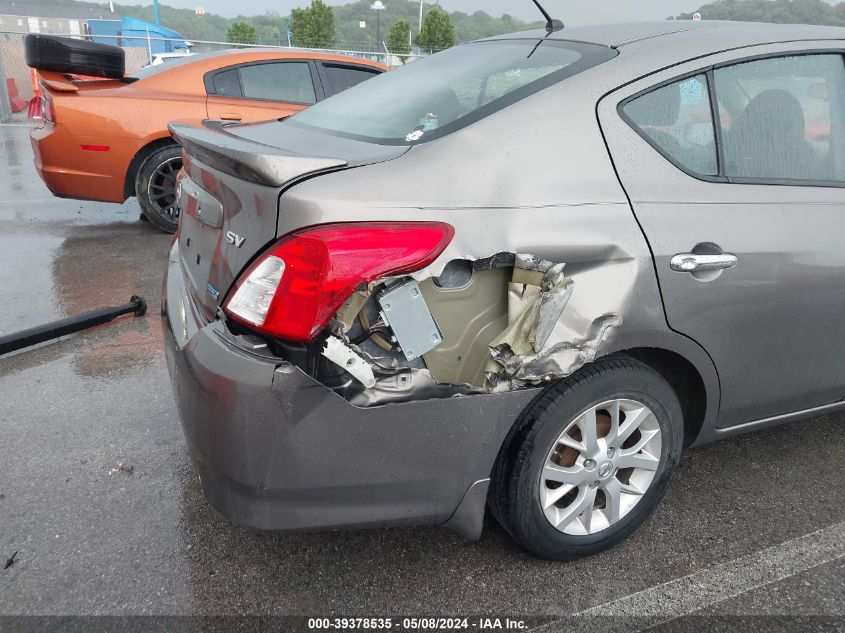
(570,11)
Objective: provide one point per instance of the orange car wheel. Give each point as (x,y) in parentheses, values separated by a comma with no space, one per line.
(155,187)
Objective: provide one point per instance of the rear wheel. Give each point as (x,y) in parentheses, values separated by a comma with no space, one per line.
(155,187)
(589,460)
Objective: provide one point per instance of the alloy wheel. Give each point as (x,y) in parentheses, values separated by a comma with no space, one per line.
(600,466)
(161,191)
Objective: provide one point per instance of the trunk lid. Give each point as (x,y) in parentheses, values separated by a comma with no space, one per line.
(229,190)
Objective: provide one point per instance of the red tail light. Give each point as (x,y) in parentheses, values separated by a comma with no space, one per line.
(292,290)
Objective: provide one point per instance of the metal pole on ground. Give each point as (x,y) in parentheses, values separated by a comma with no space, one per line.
(62,327)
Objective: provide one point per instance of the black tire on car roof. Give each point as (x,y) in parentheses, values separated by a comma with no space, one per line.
(79,57)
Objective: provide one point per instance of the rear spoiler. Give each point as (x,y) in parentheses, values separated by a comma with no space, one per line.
(210,143)
(56,81)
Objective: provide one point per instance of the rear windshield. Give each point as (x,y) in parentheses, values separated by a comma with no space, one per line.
(442,93)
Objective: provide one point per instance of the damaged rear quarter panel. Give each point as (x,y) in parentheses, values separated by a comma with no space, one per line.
(516,182)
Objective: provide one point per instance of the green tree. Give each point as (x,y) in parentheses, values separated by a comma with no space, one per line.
(438,32)
(313,27)
(399,39)
(241,33)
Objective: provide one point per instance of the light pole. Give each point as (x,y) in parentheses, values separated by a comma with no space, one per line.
(378,6)
(421,10)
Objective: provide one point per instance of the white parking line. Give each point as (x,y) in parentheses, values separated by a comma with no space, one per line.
(689,594)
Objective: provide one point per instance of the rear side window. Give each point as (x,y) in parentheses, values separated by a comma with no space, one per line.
(678,120)
(437,95)
(286,81)
(337,78)
(227,84)
(783,118)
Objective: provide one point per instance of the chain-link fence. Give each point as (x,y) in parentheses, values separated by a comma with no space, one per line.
(17,79)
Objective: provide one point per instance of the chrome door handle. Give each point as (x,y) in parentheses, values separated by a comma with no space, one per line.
(692,263)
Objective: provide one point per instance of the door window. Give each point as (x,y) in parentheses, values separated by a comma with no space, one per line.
(338,78)
(677,119)
(782,118)
(286,81)
(275,81)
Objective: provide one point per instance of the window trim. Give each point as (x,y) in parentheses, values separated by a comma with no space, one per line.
(208,81)
(709,72)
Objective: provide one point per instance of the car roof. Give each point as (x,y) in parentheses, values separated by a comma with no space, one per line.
(204,62)
(720,34)
(647,47)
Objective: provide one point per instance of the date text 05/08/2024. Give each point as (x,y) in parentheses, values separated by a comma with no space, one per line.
(417,624)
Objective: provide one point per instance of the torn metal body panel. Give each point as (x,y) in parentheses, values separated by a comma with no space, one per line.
(552,362)
(505,327)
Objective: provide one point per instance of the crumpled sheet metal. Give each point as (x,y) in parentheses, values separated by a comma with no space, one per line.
(540,343)
(555,361)
(537,295)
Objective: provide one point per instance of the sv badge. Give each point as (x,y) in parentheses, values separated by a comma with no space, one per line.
(234,238)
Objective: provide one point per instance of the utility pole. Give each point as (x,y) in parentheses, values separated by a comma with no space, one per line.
(421,11)
(378,6)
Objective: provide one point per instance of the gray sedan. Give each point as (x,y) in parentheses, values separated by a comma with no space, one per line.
(521,274)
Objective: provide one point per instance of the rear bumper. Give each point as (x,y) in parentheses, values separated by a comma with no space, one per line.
(277,450)
(71,172)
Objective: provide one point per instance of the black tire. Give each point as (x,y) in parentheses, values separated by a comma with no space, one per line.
(155,187)
(80,57)
(514,497)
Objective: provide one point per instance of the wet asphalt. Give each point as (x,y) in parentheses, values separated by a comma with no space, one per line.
(98,497)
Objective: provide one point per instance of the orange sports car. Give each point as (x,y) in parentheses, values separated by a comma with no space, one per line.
(107,139)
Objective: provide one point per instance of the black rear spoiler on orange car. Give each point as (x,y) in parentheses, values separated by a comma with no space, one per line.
(210,143)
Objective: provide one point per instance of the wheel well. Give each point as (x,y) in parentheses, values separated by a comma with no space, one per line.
(138,160)
(684,379)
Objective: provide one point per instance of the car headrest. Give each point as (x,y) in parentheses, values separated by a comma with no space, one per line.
(775,113)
